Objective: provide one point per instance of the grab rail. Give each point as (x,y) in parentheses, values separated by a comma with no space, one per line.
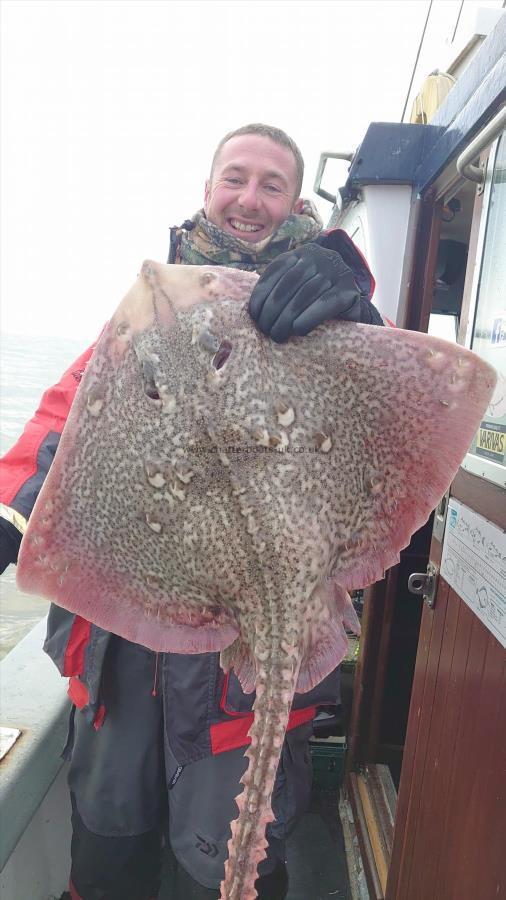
(320,170)
(488,134)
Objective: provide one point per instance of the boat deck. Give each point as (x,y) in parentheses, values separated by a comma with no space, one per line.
(316,859)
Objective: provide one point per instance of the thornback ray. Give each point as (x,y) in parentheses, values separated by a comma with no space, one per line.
(216,491)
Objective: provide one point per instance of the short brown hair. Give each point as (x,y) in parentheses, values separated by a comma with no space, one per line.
(276,135)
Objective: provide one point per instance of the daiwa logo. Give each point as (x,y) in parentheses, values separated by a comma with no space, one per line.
(453,518)
(207,847)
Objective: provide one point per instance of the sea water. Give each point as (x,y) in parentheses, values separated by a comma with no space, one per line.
(28,366)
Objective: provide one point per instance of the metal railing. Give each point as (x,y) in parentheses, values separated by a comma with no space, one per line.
(320,170)
(487,135)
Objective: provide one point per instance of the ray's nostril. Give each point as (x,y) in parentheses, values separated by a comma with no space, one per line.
(222,354)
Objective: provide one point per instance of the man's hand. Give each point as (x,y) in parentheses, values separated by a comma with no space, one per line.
(300,290)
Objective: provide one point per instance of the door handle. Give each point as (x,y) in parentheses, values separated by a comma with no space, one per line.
(425,584)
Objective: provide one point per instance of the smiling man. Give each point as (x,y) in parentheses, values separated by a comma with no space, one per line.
(254,218)
(254,186)
(162,736)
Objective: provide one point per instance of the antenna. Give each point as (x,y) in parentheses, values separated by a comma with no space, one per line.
(416,60)
(457,22)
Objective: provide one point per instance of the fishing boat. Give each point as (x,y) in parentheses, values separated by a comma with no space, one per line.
(409,769)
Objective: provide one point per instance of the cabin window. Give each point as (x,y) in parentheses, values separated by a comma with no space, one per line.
(451,264)
(487,455)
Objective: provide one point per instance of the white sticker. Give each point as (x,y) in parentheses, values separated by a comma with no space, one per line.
(498,331)
(474,565)
(8,737)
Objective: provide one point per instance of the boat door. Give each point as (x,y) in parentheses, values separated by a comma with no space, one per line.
(451,811)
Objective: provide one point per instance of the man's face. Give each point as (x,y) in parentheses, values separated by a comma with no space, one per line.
(252,190)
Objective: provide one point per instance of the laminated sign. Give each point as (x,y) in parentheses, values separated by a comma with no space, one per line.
(474,565)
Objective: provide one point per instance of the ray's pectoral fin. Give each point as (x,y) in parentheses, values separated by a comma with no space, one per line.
(183,626)
(424,400)
(144,613)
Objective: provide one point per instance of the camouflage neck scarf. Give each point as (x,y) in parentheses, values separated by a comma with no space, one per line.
(198,242)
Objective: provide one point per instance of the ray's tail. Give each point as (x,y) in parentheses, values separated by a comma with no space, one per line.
(275,685)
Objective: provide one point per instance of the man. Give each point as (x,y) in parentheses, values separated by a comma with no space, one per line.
(151,733)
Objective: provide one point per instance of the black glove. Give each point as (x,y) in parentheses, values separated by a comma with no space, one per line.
(10,539)
(301,289)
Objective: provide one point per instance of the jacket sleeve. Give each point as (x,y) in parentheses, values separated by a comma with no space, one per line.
(338,240)
(25,466)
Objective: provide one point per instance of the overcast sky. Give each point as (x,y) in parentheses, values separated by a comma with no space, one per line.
(111,112)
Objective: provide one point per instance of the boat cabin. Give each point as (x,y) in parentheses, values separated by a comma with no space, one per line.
(426,762)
